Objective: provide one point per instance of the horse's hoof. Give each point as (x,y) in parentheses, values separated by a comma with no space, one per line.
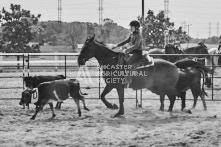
(205,109)
(161,109)
(32,118)
(118,115)
(85,108)
(53,115)
(114,106)
(139,106)
(169,111)
(187,110)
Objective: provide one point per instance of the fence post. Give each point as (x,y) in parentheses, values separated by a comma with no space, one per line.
(23,68)
(136,99)
(99,82)
(212,78)
(141,98)
(28,66)
(56,59)
(1,63)
(65,66)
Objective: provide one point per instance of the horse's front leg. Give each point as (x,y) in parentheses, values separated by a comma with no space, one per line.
(120,91)
(106,90)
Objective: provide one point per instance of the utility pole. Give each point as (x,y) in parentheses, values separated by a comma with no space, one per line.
(166,8)
(142,10)
(166,13)
(184,25)
(59,11)
(188,31)
(209,29)
(188,28)
(100,9)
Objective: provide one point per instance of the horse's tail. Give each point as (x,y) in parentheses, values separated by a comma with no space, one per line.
(185,63)
(203,73)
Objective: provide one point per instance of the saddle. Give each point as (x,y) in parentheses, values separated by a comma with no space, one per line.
(143,62)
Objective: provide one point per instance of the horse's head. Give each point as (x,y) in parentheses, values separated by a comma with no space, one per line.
(87,51)
(173,49)
(204,49)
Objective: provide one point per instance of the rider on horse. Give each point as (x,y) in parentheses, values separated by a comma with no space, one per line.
(135,41)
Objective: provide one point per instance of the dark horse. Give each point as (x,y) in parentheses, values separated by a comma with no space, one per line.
(198,52)
(161,78)
(169,49)
(157,53)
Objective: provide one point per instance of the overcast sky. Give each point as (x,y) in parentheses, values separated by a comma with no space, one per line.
(198,13)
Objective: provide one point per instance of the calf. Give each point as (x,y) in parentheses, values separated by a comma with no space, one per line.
(33,82)
(59,91)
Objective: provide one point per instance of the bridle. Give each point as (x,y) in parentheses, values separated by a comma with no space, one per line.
(102,61)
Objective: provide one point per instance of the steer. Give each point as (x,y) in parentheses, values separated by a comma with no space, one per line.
(58,90)
(33,82)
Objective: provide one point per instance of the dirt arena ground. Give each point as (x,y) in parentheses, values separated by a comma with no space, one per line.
(142,127)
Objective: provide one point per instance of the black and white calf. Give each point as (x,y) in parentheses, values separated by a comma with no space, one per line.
(58,90)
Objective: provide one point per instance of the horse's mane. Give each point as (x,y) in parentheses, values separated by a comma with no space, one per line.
(197,46)
(101,43)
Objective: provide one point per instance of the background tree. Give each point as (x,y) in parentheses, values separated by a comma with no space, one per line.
(156,27)
(55,34)
(75,34)
(19,27)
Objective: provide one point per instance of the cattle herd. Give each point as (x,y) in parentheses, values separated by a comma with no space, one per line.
(47,89)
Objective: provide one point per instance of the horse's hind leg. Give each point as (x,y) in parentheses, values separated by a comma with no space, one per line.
(195,97)
(202,96)
(172,99)
(183,100)
(162,97)
(106,90)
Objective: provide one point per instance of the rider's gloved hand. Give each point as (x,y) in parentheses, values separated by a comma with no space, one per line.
(124,51)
